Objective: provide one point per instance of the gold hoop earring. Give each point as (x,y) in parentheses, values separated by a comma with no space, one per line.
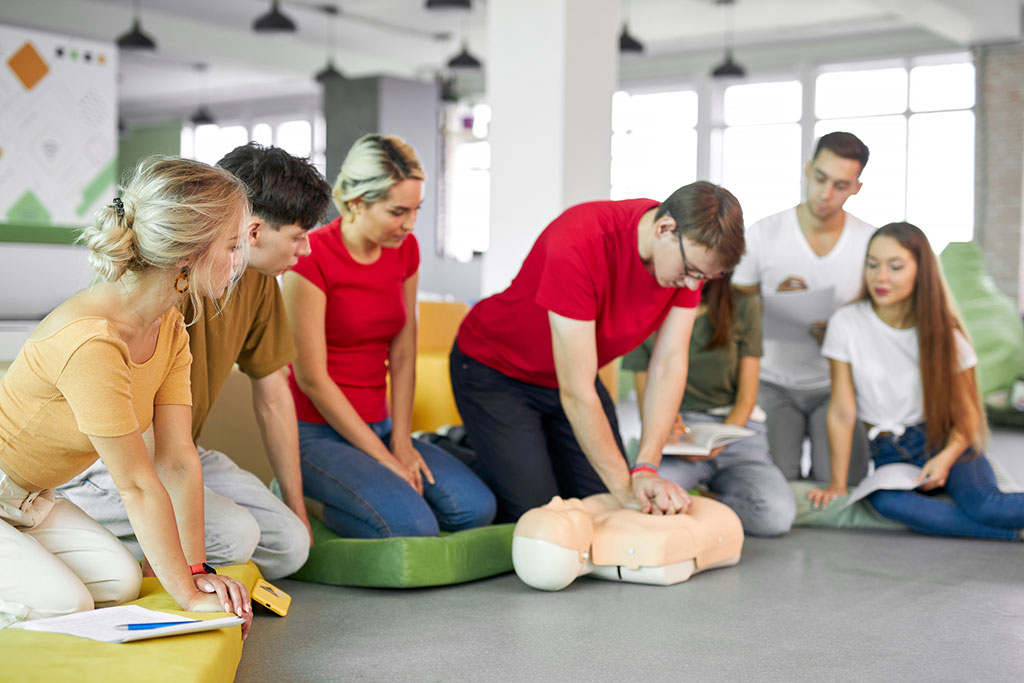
(181,282)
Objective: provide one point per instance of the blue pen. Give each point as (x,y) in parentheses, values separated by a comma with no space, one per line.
(146,627)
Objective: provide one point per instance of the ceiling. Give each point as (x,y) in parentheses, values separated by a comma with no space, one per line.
(246,65)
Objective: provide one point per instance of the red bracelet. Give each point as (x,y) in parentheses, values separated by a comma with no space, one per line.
(201,568)
(644,467)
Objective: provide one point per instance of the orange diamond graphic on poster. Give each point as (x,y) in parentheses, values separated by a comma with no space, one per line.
(28,65)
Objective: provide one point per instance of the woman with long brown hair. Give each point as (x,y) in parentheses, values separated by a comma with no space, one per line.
(721,386)
(901,362)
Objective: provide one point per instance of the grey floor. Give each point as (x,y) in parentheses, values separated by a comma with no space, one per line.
(816,605)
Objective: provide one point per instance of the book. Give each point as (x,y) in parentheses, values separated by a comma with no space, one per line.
(897,476)
(111,624)
(704,437)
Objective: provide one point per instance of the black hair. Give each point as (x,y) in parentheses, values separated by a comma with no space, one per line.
(283,189)
(845,145)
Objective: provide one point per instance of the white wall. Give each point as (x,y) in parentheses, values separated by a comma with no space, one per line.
(550,127)
(34,280)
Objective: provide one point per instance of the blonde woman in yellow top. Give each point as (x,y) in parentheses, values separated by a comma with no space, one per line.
(97,372)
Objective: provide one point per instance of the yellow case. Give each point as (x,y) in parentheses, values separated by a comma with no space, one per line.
(271,597)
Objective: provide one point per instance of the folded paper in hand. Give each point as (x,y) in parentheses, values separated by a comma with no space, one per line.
(101,624)
(704,437)
(787,315)
(897,476)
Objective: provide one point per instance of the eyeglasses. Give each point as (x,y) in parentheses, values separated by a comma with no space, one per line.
(696,274)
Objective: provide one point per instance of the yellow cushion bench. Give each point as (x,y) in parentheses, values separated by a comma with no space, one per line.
(208,657)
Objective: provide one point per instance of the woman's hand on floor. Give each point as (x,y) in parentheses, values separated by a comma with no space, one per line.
(820,498)
(222,594)
(406,453)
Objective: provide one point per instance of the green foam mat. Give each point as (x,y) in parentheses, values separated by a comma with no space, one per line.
(407,562)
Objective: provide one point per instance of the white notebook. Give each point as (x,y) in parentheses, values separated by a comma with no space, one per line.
(704,437)
(102,624)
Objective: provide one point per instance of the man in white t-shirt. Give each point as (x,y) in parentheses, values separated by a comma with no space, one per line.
(815,246)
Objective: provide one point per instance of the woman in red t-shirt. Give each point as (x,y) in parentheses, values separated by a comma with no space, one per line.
(351,304)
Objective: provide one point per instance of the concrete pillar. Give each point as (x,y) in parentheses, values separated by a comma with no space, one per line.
(999,177)
(410,110)
(550,134)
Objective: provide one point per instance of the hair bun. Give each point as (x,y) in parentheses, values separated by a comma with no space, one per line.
(110,241)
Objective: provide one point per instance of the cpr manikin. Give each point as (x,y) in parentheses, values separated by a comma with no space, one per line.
(555,543)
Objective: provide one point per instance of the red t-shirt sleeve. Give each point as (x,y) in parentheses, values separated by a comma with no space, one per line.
(410,256)
(567,284)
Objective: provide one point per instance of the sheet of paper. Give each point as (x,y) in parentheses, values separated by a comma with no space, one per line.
(101,624)
(897,476)
(787,315)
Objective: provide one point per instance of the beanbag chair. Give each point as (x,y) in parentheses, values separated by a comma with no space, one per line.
(991,318)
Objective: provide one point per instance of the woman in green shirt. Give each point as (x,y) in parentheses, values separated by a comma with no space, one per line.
(721,386)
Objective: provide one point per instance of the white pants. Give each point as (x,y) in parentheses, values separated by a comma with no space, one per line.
(244,520)
(54,559)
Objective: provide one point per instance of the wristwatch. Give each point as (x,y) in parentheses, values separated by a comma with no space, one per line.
(201,568)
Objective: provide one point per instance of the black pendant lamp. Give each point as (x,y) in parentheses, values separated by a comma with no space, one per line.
(729,68)
(464,60)
(627,43)
(329,72)
(449,4)
(135,39)
(202,117)
(274,21)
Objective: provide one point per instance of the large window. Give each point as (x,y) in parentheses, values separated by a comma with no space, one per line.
(303,137)
(918,122)
(463,228)
(760,146)
(915,114)
(654,143)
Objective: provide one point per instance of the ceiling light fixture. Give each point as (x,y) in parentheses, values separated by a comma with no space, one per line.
(274,21)
(627,43)
(202,117)
(449,4)
(729,68)
(464,60)
(329,72)
(135,39)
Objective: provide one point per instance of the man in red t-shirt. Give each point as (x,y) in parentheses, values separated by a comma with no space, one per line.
(598,281)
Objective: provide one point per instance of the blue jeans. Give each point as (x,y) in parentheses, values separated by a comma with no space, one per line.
(364,499)
(979,509)
(743,476)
